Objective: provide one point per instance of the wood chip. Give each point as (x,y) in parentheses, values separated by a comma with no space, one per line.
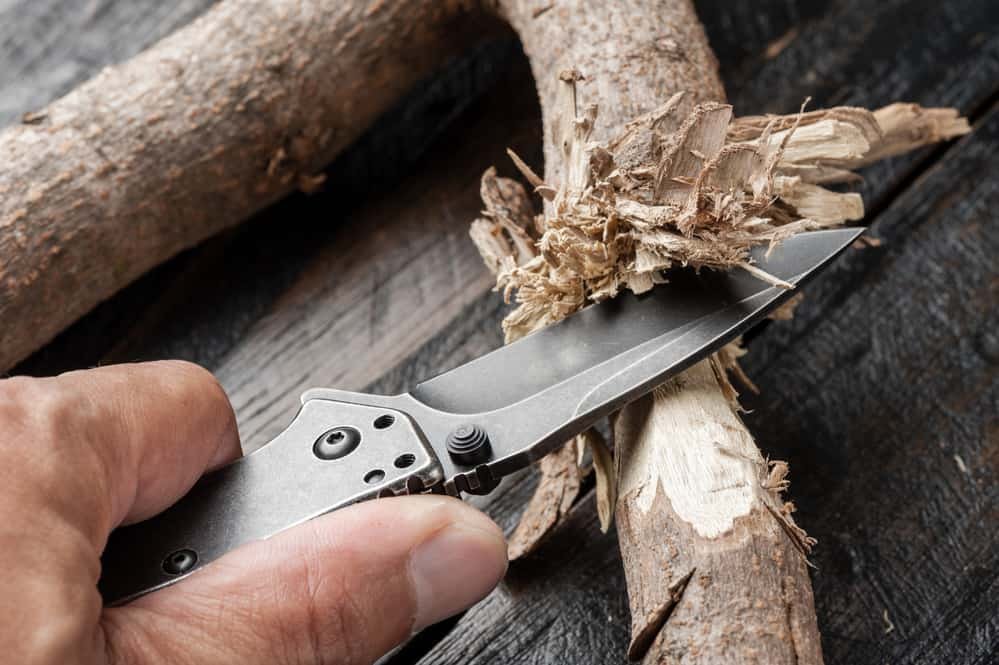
(682,186)
(603,467)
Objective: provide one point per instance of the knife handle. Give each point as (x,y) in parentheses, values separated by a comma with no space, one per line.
(333,454)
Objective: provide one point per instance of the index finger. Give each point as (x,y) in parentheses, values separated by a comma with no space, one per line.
(115,444)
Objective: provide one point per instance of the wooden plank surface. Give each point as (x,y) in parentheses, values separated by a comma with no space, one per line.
(885,379)
(887,399)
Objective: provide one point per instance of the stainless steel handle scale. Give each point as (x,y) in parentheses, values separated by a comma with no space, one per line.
(333,454)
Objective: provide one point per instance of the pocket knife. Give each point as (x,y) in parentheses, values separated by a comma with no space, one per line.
(464,430)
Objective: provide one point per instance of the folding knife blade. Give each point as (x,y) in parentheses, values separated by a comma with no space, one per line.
(463,430)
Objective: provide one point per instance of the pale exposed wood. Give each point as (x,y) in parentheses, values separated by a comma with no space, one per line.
(877,554)
(606,477)
(632,55)
(672,190)
(906,126)
(709,557)
(824,146)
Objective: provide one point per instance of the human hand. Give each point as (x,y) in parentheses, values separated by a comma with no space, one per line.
(86,451)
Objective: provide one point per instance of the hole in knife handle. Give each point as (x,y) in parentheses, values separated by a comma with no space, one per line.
(384,422)
(374,476)
(405,461)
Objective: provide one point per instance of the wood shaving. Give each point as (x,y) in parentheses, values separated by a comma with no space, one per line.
(726,362)
(606,476)
(785,312)
(889,626)
(680,186)
(776,484)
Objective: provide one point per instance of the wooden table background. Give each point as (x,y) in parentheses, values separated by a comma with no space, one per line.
(882,393)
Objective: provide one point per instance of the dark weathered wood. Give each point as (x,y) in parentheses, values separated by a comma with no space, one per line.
(745,34)
(238,276)
(887,398)
(976,639)
(49,46)
(613,57)
(871,54)
(900,527)
(234,111)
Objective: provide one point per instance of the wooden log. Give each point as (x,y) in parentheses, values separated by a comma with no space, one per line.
(726,586)
(945,614)
(715,573)
(208,126)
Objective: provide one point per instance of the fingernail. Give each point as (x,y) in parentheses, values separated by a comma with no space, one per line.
(455,569)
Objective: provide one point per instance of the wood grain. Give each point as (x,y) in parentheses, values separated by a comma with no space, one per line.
(50,46)
(612,57)
(347,292)
(901,528)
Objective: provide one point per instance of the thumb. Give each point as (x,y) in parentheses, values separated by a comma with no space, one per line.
(343,588)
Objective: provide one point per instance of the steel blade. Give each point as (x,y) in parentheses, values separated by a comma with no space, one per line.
(616,328)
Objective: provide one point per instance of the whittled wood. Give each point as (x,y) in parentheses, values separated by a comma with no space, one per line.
(733,588)
(714,573)
(879,557)
(248,102)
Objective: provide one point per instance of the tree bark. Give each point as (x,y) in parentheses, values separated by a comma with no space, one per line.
(715,572)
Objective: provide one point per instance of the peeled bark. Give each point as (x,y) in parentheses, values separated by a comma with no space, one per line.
(716,572)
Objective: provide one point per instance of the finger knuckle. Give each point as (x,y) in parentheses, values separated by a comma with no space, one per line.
(15,394)
(32,406)
(194,380)
(40,424)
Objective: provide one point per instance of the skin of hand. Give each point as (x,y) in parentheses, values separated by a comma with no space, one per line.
(86,451)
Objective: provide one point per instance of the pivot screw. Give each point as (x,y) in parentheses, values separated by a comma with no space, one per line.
(468,445)
(180,562)
(336,443)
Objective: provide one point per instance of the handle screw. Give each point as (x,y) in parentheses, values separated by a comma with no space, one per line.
(468,445)
(336,443)
(180,562)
